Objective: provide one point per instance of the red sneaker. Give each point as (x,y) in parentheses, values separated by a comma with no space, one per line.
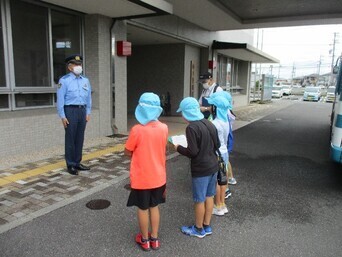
(145,245)
(155,244)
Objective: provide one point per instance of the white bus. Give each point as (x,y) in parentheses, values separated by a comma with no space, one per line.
(336,119)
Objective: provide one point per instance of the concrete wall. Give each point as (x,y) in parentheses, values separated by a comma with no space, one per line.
(192,54)
(243,76)
(157,69)
(34,130)
(177,28)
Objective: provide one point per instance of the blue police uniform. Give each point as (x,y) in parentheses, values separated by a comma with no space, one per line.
(74,103)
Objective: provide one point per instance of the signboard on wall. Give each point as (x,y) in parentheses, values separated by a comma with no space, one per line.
(192,79)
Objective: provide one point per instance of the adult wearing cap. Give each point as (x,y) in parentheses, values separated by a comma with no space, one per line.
(146,144)
(202,140)
(209,87)
(74,107)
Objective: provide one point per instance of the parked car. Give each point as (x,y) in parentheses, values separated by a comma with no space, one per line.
(330,94)
(312,94)
(287,89)
(297,90)
(277,91)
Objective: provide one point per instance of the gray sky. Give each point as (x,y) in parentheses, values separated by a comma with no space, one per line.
(300,47)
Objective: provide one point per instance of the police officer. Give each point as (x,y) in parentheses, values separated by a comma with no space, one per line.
(209,87)
(74,107)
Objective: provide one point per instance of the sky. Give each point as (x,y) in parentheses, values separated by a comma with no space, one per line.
(299,49)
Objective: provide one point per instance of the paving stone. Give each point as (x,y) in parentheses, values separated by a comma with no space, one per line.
(7,203)
(4,191)
(3,214)
(57,199)
(35,196)
(41,184)
(73,188)
(32,194)
(19,214)
(21,182)
(27,191)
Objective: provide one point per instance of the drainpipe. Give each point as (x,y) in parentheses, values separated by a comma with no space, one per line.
(112,69)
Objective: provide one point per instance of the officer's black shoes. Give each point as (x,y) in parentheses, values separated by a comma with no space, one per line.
(82,167)
(72,170)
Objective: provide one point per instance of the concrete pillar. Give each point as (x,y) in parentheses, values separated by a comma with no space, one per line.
(119,121)
(97,67)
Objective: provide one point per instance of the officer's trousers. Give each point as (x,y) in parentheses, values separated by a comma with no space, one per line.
(74,134)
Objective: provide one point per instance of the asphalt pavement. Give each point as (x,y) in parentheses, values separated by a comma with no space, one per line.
(287,201)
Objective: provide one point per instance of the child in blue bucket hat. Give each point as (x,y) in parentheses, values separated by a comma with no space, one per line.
(230,143)
(220,107)
(202,141)
(146,144)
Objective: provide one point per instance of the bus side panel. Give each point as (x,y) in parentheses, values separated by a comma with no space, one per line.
(336,132)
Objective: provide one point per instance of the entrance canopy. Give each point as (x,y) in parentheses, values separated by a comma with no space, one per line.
(120,9)
(243,52)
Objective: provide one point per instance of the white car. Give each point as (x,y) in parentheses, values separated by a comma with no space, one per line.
(277,91)
(312,94)
(330,94)
(287,89)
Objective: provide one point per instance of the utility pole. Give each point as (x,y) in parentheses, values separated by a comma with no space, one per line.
(332,58)
(319,68)
(293,73)
(255,69)
(271,69)
(279,71)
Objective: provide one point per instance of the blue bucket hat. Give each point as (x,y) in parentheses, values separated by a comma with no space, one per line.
(221,104)
(190,109)
(226,95)
(148,108)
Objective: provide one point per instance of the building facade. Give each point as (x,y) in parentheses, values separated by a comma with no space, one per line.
(167,55)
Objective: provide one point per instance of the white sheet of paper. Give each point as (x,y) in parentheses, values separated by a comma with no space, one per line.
(179,140)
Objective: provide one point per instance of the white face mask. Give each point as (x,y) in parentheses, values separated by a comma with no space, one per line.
(205,85)
(77,70)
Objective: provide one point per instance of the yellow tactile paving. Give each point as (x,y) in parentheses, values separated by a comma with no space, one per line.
(96,154)
(53,166)
(18,176)
(34,172)
(3,182)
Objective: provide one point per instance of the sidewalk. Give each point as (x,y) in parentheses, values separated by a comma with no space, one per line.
(36,184)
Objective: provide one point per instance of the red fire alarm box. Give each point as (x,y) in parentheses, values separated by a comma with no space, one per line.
(212,65)
(123,48)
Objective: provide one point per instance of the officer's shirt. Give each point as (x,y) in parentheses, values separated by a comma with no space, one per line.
(207,93)
(73,90)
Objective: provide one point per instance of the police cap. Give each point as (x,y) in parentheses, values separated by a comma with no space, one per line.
(75,59)
(204,76)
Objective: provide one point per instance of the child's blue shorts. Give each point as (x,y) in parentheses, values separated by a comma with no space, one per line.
(203,187)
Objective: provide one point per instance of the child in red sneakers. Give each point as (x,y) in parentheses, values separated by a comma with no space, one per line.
(146,144)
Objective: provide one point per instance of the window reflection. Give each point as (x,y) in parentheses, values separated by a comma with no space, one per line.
(4,102)
(65,40)
(30,44)
(2,59)
(30,100)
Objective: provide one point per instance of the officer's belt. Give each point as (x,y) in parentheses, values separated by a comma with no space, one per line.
(75,106)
